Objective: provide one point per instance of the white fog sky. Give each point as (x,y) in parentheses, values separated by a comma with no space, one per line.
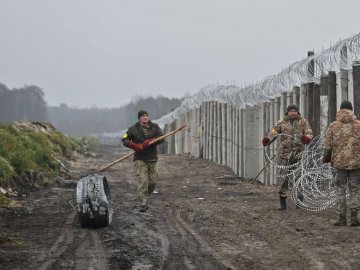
(103,53)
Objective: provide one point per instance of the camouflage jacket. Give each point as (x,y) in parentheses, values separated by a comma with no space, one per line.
(342,141)
(296,128)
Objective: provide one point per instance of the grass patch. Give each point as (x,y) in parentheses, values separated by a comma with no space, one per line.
(7,172)
(61,144)
(5,202)
(27,148)
(85,143)
(23,151)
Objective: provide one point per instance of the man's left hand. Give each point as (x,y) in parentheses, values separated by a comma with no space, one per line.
(147,142)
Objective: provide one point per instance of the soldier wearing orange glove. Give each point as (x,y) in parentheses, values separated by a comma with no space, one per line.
(140,137)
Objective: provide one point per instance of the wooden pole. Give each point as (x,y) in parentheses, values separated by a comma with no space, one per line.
(154,141)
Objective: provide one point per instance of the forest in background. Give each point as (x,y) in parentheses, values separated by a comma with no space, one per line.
(88,121)
(28,104)
(23,104)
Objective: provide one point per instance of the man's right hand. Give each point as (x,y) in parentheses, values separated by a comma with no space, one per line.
(137,147)
(265,141)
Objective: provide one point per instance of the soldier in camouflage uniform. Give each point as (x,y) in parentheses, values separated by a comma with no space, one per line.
(298,129)
(139,137)
(342,149)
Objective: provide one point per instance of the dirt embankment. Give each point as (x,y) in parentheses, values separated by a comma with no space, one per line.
(200,218)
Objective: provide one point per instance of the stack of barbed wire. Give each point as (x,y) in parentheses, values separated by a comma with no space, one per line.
(311,182)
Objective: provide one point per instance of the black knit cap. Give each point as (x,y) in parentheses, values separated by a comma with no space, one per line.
(141,113)
(292,107)
(346,105)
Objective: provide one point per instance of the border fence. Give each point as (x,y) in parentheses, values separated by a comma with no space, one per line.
(226,123)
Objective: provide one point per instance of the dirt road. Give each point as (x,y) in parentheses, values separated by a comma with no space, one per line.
(202,217)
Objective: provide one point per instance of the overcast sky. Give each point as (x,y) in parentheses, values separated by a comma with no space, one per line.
(103,53)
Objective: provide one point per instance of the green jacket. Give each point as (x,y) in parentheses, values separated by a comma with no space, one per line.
(138,134)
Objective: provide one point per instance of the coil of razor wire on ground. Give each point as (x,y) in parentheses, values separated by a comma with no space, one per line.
(311,183)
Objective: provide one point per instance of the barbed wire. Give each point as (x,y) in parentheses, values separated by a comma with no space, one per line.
(311,182)
(342,55)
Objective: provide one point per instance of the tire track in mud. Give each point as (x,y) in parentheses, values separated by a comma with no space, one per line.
(75,248)
(60,245)
(187,250)
(90,253)
(204,246)
(163,240)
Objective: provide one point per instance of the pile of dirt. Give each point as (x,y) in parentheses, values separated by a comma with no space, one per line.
(44,127)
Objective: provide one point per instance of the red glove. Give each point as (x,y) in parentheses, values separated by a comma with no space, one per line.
(326,159)
(305,139)
(136,146)
(265,141)
(147,142)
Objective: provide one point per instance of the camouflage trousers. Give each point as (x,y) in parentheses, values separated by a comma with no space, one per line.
(148,176)
(347,180)
(284,176)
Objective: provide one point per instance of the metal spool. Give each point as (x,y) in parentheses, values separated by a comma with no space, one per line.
(93,201)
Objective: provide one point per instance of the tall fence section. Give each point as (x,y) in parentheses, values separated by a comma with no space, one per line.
(226,123)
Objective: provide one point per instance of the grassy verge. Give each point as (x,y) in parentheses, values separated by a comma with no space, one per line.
(30,148)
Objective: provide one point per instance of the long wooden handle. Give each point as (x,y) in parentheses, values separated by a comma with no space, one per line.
(152,142)
(116,161)
(167,135)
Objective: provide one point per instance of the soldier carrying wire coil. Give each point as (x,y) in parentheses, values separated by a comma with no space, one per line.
(295,126)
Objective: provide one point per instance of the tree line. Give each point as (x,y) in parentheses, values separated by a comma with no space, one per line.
(23,104)
(29,104)
(74,121)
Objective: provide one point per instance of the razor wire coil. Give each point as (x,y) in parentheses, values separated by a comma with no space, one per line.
(311,182)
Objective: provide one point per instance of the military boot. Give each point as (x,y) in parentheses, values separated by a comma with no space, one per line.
(353,218)
(143,208)
(151,188)
(341,221)
(282,203)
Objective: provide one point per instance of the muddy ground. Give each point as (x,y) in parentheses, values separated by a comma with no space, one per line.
(202,217)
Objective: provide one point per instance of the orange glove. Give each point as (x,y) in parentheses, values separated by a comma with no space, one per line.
(265,141)
(136,146)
